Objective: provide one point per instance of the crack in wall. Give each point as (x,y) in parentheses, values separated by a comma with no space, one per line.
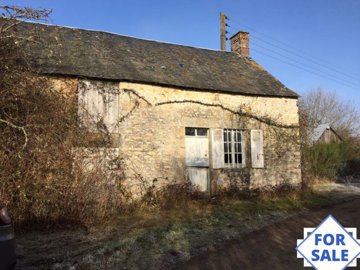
(264,120)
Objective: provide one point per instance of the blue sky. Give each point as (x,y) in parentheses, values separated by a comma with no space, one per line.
(317,35)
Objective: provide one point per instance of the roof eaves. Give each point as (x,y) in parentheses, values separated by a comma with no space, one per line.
(180,87)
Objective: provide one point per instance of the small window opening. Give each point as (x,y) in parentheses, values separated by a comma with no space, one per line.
(201,132)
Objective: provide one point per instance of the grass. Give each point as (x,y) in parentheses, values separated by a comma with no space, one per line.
(158,239)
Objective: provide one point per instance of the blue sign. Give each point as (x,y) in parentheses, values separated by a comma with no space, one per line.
(329,246)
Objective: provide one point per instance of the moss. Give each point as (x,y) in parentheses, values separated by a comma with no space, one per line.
(96,54)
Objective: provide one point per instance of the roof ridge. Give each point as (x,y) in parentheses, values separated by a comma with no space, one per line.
(126,36)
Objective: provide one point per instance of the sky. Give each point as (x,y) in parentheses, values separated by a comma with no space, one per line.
(306,44)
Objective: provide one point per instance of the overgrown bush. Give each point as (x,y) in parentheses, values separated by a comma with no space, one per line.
(327,159)
(351,169)
(40,181)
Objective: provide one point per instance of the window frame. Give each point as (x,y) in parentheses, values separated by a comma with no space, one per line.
(233,142)
(196,132)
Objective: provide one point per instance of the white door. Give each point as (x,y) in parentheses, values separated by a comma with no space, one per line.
(199,177)
(197,157)
(197,151)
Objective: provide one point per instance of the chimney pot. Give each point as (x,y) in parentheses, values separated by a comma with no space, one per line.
(240,43)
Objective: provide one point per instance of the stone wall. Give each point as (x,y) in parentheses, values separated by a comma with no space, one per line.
(151,139)
(152,134)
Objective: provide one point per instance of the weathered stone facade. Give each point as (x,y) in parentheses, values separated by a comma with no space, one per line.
(151,137)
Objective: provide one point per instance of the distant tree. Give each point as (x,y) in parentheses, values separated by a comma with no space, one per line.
(321,159)
(321,107)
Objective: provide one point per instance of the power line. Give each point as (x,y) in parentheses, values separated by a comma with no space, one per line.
(306,58)
(302,68)
(330,75)
(308,67)
(293,50)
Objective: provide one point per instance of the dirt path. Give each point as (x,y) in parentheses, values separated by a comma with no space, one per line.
(274,246)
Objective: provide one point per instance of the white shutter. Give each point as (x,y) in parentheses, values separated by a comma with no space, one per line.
(217,151)
(257,149)
(243,149)
(81,102)
(89,105)
(98,101)
(111,109)
(94,104)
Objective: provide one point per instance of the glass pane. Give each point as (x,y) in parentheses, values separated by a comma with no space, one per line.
(226,147)
(202,131)
(225,136)
(239,158)
(226,158)
(190,131)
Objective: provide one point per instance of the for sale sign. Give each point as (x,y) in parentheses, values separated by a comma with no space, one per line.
(329,246)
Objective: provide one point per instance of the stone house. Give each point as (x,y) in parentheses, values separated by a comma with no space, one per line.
(174,112)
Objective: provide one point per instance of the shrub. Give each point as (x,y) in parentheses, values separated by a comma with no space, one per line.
(327,159)
(39,178)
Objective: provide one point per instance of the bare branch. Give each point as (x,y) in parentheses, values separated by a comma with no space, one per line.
(25,13)
(22,129)
(322,107)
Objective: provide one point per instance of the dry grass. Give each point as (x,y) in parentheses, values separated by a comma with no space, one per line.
(157,239)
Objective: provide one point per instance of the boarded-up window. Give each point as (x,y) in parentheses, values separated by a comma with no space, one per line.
(217,142)
(257,149)
(98,105)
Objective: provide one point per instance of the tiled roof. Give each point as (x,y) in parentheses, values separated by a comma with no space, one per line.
(96,54)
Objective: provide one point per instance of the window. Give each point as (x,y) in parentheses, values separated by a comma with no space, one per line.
(196,132)
(233,154)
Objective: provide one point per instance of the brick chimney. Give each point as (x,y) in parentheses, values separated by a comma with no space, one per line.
(240,43)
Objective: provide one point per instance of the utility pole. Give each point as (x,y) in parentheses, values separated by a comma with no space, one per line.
(222,31)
